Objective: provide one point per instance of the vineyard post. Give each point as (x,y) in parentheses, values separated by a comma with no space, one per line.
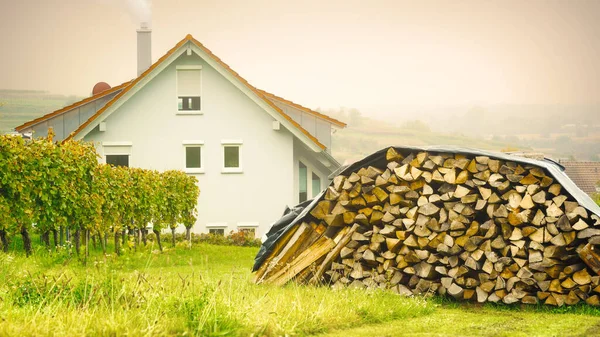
(26,240)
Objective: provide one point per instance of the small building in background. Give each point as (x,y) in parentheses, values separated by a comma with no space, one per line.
(585,174)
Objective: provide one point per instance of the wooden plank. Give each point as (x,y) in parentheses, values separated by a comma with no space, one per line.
(276,250)
(309,256)
(590,257)
(295,242)
(333,254)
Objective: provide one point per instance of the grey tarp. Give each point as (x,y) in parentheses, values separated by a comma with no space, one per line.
(377,159)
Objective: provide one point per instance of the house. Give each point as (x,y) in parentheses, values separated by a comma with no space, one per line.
(585,174)
(253,152)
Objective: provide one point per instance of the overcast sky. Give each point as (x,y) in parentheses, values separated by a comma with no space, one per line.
(323,53)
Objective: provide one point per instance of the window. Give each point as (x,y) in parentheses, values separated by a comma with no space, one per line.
(217,228)
(309,181)
(193,156)
(217,231)
(248,231)
(118,160)
(316,185)
(248,228)
(189,88)
(117,153)
(232,156)
(303,183)
(187,103)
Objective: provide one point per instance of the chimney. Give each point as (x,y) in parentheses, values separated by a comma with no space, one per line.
(144,47)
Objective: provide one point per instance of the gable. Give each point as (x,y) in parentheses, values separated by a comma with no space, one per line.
(189,45)
(311,127)
(153,108)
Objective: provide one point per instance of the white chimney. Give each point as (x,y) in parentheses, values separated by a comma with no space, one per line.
(144,47)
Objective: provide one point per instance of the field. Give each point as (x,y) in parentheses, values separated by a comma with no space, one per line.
(20,106)
(207,290)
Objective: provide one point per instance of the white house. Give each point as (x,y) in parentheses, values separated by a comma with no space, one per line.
(252,152)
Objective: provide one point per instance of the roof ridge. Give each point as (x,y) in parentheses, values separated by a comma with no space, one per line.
(257,92)
(128,87)
(303,108)
(190,38)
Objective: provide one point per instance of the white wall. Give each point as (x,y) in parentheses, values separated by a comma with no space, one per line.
(150,122)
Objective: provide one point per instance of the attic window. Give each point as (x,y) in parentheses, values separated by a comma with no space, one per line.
(189,88)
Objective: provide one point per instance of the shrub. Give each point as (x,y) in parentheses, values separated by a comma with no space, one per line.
(234,238)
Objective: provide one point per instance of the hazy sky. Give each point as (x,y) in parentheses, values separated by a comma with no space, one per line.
(323,53)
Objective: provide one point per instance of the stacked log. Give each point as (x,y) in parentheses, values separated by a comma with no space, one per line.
(473,228)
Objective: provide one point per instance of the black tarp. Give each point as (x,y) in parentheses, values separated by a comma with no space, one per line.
(292,216)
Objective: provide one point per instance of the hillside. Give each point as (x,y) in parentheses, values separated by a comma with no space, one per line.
(20,106)
(555,131)
(355,142)
(364,135)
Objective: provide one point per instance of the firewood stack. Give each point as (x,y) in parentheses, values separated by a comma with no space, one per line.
(477,229)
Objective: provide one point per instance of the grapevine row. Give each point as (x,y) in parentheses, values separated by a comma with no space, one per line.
(61,189)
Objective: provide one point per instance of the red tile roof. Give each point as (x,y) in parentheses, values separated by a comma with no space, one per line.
(261,94)
(585,174)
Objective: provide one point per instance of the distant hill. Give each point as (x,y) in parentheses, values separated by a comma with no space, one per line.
(353,143)
(554,131)
(20,106)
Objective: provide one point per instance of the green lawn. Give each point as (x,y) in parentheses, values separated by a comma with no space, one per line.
(207,290)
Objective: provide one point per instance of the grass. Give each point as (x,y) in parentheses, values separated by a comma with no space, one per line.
(207,290)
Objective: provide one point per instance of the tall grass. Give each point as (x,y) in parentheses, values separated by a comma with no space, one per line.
(203,291)
(206,290)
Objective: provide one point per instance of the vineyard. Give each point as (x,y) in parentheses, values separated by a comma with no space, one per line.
(60,191)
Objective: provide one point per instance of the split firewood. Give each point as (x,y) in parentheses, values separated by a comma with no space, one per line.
(469,227)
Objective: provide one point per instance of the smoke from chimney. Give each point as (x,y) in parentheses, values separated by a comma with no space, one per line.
(140,11)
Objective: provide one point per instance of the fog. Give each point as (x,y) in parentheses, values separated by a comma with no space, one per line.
(377,56)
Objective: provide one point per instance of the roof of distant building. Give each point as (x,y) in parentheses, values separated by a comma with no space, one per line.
(585,174)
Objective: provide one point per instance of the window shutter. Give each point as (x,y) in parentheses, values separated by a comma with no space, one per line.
(188,82)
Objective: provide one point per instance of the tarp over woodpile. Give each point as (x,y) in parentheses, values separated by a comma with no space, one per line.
(416,218)
(294,216)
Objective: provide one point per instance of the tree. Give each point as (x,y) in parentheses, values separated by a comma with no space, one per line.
(416,125)
(355,117)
